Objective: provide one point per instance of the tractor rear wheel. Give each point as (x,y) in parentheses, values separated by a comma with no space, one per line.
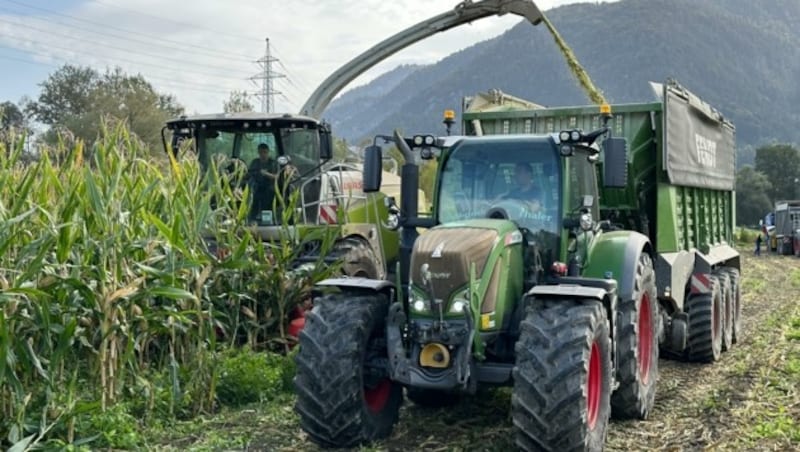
(736,300)
(705,324)
(637,347)
(562,378)
(431,398)
(727,310)
(344,394)
(359,258)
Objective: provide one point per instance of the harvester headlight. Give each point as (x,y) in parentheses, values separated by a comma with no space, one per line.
(586,221)
(418,305)
(418,140)
(563,136)
(458,306)
(575,135)
(429,140)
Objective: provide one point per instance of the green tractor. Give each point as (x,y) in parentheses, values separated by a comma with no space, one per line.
(508,286)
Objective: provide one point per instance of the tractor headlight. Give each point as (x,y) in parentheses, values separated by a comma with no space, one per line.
(458,306)
(586,222)
(575,135)
(418,305)
(563,136)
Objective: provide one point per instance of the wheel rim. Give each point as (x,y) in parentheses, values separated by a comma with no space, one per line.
(715,314)
(645,339)
(377,396)
(594,386)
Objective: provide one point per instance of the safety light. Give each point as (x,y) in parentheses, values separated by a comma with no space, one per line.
(605,109)
(449,115)
(558,269)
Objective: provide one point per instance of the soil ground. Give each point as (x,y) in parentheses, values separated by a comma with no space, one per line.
(749,400)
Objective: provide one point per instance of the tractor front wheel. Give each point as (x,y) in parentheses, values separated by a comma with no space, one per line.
(562,378)
(344,394)
(637,347)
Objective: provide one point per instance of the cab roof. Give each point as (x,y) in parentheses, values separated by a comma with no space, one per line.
(238,117)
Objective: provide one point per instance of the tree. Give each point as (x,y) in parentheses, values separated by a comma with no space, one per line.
(77,99)
(11,117)
(752,199)
(780,163)
(237,102)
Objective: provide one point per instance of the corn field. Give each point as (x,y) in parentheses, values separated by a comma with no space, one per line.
(111,293)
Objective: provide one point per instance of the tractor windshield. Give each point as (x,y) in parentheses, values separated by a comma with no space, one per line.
(502,178)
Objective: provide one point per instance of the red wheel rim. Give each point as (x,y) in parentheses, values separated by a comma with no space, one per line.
(594,386)
(715,315)
(645,339)
(377,397)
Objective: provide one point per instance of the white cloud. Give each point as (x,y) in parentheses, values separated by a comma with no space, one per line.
(201,50)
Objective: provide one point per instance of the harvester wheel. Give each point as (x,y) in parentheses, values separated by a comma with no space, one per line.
(736,300)
(562,378)
(727,310)
(637,347)
(359,259)
(344,394)
(705,324)
(431,398)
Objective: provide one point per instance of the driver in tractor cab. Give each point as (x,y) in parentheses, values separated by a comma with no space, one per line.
(525,189)
(262,173)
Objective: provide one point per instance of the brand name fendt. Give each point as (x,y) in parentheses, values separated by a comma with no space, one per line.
(706,151)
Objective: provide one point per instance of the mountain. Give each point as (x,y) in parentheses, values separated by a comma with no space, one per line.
(741,56)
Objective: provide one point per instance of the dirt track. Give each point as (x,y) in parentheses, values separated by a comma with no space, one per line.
(749,400)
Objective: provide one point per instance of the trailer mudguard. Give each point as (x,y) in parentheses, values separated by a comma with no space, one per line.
(614,255)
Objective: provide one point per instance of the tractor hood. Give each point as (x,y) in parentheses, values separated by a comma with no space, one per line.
(445,253)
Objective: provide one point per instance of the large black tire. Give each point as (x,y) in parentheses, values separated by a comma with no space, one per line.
(562,378)
(705,324)
(432,398)
(727,309)
(344,395)
(736,299)
(359,259)
(637,347)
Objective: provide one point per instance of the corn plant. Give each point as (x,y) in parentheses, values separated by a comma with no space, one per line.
(110,284)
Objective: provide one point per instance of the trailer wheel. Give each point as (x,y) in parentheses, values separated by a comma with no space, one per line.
(637,347)
(705,324)
(359,258)
(431,398)
(727,310)
(344,394)
(736,300)
(562,378)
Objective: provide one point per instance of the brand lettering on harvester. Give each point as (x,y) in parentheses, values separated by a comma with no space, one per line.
(706,151)
(441,275)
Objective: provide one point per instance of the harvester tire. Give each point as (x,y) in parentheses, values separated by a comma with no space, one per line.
(736,299)
(359,259)
(727,310)
(562,378)
(431,398)
(637,347)
(705,324)
(344,394)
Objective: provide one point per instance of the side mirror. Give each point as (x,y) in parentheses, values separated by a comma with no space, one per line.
(325,144)
(615,163)
(373,169)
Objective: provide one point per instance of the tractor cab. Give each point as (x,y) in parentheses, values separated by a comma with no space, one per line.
(270,153)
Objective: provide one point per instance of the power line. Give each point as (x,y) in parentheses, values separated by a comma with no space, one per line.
(123,49)
(114,58)
(158,41)
(185,24)
(191,86)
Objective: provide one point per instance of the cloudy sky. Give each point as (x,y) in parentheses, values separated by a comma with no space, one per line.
(200,50)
